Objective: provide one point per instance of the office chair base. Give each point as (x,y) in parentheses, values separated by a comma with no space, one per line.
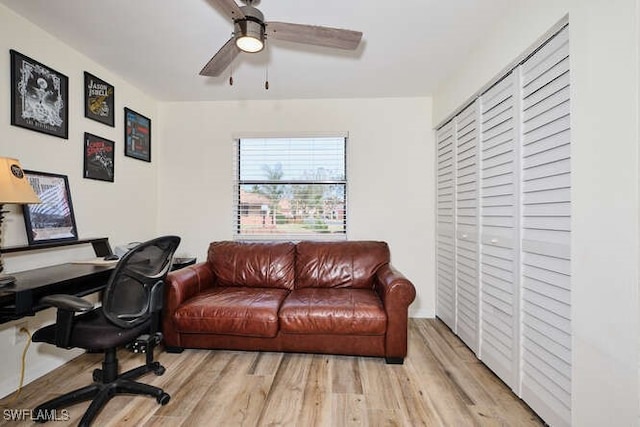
(107,384)
(99,394)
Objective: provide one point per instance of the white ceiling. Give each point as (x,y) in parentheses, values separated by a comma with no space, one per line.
(161,45)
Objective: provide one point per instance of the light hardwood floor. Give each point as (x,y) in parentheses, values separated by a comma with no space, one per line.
(440,384)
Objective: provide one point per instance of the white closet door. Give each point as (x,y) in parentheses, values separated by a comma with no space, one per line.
(466,209)
(499,230)
(546,221)
(445,227)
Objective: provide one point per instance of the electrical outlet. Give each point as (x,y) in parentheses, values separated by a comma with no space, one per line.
(20,335)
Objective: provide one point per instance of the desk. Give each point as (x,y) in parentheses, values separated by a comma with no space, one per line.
(21,298)
(183,262)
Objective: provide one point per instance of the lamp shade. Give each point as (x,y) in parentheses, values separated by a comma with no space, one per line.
(14,186)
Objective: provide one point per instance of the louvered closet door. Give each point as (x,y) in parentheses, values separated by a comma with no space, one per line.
(445,227)
(546,220)
(466,208)
(499,231)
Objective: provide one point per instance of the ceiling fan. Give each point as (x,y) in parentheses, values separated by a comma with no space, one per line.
(251,30)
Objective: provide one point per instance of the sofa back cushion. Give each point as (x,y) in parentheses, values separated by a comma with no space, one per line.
(258,265)
(339,264)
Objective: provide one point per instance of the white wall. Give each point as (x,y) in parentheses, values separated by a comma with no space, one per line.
(604,121)
(123,211)
(390,172)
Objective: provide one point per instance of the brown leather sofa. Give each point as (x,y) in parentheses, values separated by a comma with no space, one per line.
(311,297)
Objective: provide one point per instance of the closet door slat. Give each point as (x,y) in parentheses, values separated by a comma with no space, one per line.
(498,222)
(546,232)
(445,227)
(467,315)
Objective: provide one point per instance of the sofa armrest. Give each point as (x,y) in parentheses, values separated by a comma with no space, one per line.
(390,283)
(181,285)
(396,293)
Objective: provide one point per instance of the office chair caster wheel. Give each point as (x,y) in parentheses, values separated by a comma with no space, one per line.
(160,370)
(163,399)
(97,375)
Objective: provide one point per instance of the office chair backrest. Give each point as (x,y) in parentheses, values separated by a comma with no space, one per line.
(134,290)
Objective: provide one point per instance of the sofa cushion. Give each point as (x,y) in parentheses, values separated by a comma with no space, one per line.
(261,265)
(232,311)
(339,264)
(333,311)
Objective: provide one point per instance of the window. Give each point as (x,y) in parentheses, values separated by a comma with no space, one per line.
(291,188)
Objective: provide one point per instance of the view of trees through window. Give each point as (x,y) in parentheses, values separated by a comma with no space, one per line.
(291,186)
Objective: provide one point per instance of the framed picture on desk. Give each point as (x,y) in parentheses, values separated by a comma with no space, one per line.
(52,220)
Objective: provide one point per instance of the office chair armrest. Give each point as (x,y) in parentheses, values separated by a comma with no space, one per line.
(68,306)
(67,303)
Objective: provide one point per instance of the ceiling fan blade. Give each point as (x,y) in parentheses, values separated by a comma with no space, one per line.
(315,35)
(221,59)
(231,9)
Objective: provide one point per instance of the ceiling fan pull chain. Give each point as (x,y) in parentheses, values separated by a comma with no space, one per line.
(231,76)
(266,79)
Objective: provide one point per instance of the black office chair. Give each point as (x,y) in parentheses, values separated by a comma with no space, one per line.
(129,316)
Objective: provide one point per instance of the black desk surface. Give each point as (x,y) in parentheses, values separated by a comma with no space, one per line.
(21,298)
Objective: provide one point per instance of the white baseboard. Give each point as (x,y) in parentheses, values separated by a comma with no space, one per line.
(422,314)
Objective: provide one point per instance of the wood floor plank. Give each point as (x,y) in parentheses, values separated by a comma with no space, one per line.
(449,400)
(192,379)
(213,403)
(284,401)
(376,377)
(384,418)
(266,363)
(440,384)
(417,408)
(349,410)
(345,375)
(316,404)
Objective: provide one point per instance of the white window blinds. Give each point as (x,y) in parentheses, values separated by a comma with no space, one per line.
(290,188)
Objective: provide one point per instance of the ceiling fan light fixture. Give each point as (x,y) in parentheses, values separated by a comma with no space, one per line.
(249,31)
(251,44)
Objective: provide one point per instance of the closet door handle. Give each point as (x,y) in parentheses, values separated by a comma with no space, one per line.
(494,241)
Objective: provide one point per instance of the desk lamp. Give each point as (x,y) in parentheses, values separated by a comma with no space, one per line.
(14,188)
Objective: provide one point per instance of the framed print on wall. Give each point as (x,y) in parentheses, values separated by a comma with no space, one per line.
(137,135)
(98,158)
(39,97)
(99,100)
(52,220)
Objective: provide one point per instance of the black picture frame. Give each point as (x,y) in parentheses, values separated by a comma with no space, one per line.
(99,100)
(98,157)
(39,97)
(137,135)
(52,220)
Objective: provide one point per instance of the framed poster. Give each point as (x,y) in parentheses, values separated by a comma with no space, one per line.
(99,99)
(98,158)
(53,219)
(39,97)
(137,135)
